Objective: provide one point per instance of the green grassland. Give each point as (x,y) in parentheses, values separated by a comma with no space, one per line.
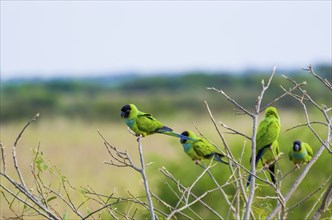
(71,112)
(76,149)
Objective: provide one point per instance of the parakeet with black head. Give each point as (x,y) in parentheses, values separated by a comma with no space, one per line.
(267,147)
(300,153)
(199,148)
(143,124)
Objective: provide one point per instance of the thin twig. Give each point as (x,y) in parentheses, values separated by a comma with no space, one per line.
(310,194)
(234,131)
(46,215)
(21,186)
(282,96)
(3,159)
(30,197)
(229,154)
(183,189)
(305,95)
(231,100)
(14,150)
(324,81)
(289,172)
(222,192)
(326,201)
(145,179)
(306,124)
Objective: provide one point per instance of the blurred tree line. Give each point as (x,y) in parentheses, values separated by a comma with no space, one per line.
(100,98)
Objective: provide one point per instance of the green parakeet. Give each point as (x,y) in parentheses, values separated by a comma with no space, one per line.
(267,147)
(143,123)
(300,153)
(199,148)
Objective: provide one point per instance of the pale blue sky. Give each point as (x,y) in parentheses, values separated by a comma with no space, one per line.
(50,38)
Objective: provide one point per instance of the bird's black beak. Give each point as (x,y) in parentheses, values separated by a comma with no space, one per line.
(123,114)
(297,146)
(183,141)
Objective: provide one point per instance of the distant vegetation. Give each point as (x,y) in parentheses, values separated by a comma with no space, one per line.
(100,98)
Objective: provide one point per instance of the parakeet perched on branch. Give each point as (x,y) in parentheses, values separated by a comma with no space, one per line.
(267,147)
(143,123)
(300,153)
(199,148)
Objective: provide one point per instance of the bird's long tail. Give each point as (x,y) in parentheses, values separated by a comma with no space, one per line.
(271,171)
(248,181)
(273,178)
(258,157)
(250,176)
(218,157)
(170,132)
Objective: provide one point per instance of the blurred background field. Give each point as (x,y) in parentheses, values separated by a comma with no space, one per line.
(100,98)
(71,111)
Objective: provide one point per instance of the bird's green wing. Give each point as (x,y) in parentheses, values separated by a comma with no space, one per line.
(147,123)
(203,148)
(270,153)
(275,148)
(308,148)
(268,132)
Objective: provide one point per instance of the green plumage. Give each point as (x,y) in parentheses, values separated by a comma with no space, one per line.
(144,124)
(199,148)
(268,132)
(267,147)
(300,153)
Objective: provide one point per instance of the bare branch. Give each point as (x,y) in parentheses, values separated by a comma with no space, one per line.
(21,186)
(145,179)
(327,199)
(14,149)
(122,159)
(233,131)
(30,197)
(46,215)
(188,192)
(310,194)
(305,95)
(222,192)
(3,159)
(229,152)
(306,124)
(183,189)
(253,148)
(232,101)
(324,81)
(282,96)
(98,210)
